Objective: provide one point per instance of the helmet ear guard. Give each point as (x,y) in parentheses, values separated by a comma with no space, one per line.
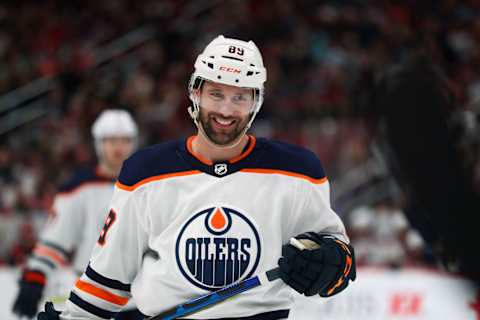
(231,62)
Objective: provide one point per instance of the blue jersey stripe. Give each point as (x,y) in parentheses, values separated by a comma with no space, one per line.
(81,177)
(99,312)
(56,247)
(272,315)
(114,284)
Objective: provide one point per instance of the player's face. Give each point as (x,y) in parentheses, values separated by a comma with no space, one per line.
(225,111)
(115,150)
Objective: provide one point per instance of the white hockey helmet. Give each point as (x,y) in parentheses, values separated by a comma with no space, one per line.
(232,62)
(113,123)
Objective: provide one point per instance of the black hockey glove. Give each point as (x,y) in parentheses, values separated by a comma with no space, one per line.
(29,294)
(50,313)
(325,270)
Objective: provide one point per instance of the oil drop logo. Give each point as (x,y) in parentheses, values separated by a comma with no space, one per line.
(217,247)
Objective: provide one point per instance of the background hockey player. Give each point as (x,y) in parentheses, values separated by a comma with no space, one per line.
(79,210)
(216,208)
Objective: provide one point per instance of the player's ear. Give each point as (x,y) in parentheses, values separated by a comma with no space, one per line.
(196,93)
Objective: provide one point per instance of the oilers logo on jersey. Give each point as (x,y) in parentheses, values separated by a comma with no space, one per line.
(217,247)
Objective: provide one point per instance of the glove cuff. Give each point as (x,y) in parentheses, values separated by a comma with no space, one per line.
(347,271)
(34,276)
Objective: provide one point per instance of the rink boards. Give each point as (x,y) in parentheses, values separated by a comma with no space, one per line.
(377,294)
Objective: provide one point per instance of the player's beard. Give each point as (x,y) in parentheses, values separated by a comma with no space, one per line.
(222,137)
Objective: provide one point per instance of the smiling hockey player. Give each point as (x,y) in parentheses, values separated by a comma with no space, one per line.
(216,208)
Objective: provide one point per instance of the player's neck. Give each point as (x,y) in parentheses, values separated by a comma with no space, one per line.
(107,171)
(207,151)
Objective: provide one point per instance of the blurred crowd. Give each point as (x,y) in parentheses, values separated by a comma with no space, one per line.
(47,38)
(316,54)
(381,236)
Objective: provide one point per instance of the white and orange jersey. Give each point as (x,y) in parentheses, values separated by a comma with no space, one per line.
(211,224)
(77,217)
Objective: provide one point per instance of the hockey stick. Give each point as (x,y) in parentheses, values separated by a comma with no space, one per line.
(220,295)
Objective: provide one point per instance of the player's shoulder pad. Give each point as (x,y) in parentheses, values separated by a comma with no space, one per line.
(81,177)
(152,161)
(284,156)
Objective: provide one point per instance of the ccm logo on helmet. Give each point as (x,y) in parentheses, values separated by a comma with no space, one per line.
(217,247)
(230,69)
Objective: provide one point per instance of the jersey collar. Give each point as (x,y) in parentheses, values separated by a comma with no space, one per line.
(219,168)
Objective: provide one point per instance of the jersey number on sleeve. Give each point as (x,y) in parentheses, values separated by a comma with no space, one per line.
(112,216)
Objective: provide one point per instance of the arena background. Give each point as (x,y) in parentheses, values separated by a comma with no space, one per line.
(62,62)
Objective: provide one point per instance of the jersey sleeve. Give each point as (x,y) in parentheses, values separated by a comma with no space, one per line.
(104,287)
(312,210)
(60,235)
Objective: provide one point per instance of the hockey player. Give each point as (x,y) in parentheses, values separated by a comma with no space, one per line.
(217,207)
(79,210)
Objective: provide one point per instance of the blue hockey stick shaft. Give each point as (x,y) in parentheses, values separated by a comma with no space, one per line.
(218,296)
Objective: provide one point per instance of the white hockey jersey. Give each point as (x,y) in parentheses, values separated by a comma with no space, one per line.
(77,217)
(212,224)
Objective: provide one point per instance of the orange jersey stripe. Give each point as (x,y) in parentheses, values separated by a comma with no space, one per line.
(253,142)
(286,173)
(156,178)
(101,293)
(199,157)
(51,253)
